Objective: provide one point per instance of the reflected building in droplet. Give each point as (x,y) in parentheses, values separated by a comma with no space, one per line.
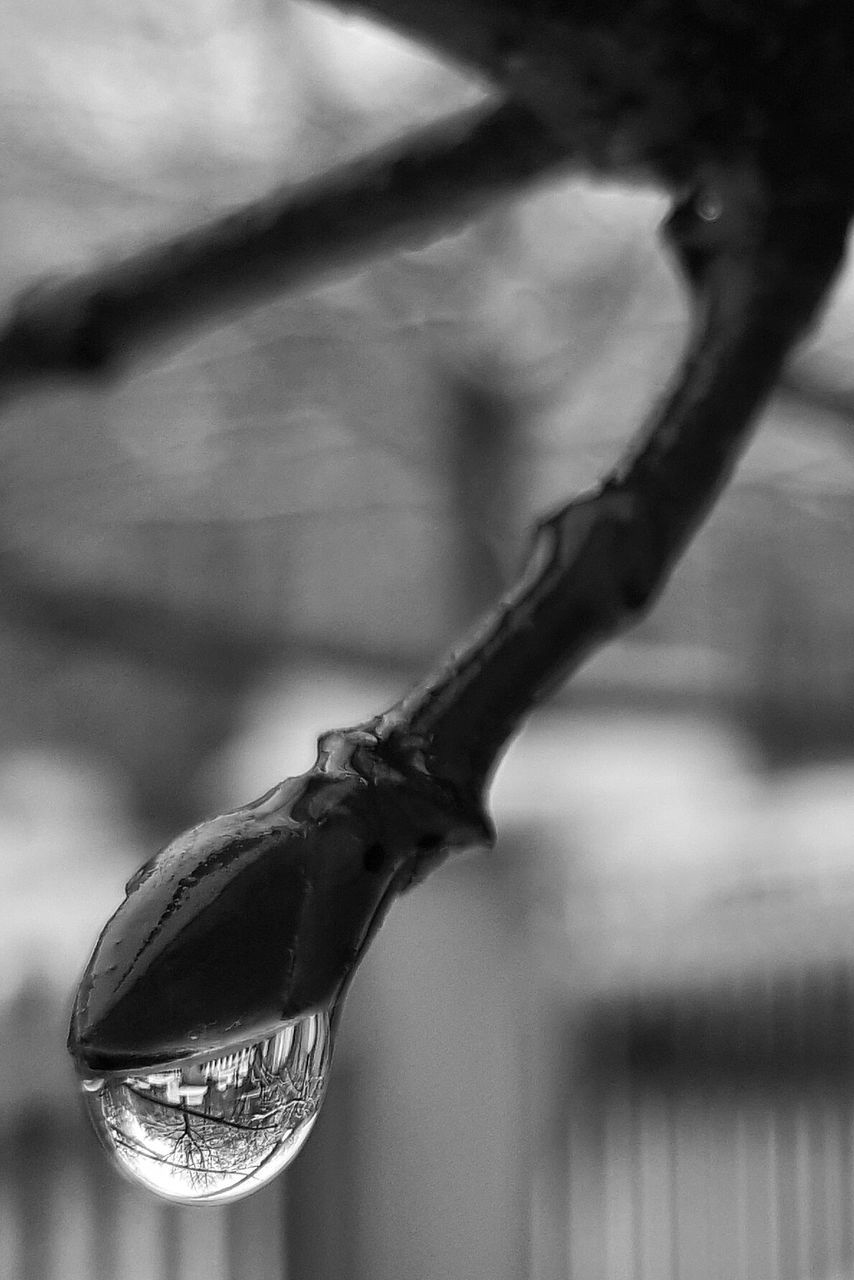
(216,1127)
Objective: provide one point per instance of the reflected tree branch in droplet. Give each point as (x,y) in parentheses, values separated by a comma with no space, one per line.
(206,1146)
(402,196)
(216,1126)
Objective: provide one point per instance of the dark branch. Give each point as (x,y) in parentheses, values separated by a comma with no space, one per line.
(398,197)
(599,561)
(264,913)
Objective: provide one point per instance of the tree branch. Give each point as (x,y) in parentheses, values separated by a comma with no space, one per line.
(397,197)
(263,914)
(599,562)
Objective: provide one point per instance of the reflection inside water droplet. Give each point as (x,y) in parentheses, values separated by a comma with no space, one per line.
(213,1128)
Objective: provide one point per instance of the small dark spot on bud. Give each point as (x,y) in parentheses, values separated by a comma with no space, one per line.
(637,594)
(374,858)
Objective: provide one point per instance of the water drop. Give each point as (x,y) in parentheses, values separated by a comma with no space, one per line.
(218,1126)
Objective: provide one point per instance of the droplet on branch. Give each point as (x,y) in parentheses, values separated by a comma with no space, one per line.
(216,1127)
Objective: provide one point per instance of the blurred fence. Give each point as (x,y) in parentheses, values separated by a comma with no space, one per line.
(65,1215)
(712,1134)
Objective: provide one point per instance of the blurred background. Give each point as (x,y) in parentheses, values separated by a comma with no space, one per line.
(620,1046)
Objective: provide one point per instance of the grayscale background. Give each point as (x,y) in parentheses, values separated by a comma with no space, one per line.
(618,1048)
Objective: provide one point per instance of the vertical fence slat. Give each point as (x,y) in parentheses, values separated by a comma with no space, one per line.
(255,1237)
(725,1123)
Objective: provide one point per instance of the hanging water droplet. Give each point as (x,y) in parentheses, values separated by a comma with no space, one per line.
(216,1127)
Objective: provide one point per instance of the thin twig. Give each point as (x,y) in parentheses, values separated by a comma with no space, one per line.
(397,197)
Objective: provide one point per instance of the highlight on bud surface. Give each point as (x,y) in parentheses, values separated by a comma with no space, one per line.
(216,1127)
